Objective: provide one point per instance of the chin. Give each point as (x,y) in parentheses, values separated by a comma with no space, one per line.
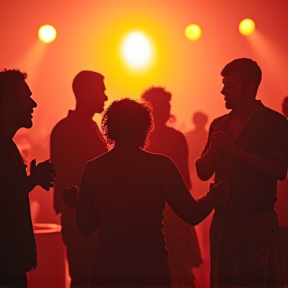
(228,106)
(28,124)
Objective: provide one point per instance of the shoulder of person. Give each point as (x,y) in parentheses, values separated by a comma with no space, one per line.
(176,133)
(275,115)
(219,122)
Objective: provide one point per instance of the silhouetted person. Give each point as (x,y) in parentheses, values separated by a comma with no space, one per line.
(75,140)
(123,192)
(196,139)
(248,148)
(17,242)
(181,238)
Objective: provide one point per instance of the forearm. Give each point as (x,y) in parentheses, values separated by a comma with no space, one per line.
(205,205)
(30,183)
(267,166)
(206,165)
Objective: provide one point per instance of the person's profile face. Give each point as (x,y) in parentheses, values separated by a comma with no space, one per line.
(23,105)
(233,90)
(97,97)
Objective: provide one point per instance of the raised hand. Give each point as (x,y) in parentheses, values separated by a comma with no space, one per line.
(43,173)
(70,196)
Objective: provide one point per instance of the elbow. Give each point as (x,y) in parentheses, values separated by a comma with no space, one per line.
(86,226)
(203,176)
(202,172)
(281,174)
(85,231)
(192,221)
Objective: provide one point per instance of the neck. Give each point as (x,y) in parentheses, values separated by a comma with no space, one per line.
(7,129)
(84,112)
(127,143)
(159,125)
(245,109)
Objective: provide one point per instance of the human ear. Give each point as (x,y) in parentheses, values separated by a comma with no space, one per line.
(250,89)
(6,104)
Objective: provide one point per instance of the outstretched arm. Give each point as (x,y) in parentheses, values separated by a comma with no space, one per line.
(179,198)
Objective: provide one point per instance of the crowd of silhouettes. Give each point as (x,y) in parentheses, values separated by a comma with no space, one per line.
(128,212)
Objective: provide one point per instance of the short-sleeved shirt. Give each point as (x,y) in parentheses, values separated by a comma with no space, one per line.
(265,135)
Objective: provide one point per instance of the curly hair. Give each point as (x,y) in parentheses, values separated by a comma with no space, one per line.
(157,96)
(127,119)
(8,80)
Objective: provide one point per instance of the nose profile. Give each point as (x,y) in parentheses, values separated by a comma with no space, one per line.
(34,103)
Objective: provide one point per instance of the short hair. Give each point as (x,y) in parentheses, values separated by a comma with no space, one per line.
(83,80)
(156,96)
(199,118)
(246,68)
(8,81)
(127,119)
(285,99)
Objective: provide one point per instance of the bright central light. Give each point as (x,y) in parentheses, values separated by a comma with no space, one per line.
(246,26)
(47,33)
(137,50)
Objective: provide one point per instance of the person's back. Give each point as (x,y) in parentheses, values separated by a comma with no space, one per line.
(123,193)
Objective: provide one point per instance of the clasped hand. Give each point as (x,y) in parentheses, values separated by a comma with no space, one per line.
(223,140)
(43,173)
(70,196)
(219,193)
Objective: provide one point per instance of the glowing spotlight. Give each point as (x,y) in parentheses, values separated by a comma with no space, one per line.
(47,33)
(193,32)
(137,50)
(246,26)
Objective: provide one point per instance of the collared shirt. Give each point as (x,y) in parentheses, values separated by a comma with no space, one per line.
(264,134)
(74,141)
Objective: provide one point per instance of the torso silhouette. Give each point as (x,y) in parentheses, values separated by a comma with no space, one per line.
(126,201)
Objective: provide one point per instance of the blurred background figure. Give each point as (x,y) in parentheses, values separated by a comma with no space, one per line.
(181,239)
(282,194)
(75,140)
(196,139)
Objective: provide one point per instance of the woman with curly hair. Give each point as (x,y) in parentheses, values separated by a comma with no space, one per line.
(123,193)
